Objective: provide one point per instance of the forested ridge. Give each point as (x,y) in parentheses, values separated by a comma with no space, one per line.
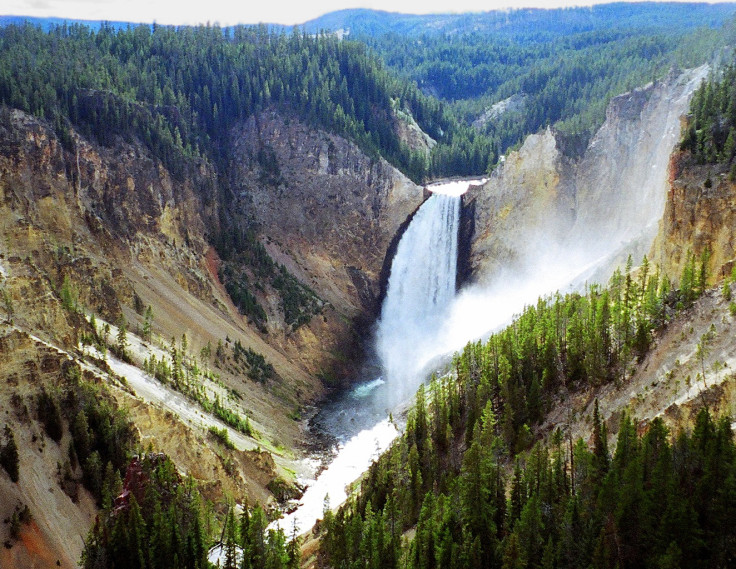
(181,90)
(566,63)
(477,490)
(565,80)
(711,129)
(532,24)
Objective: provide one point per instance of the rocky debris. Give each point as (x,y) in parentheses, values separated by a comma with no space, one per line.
(514,103)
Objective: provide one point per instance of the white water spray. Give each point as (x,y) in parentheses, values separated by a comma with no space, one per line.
(420,290)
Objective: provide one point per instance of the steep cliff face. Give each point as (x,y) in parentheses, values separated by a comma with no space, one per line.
(541,208)
(325,208)
(84,212)
(89,229)
(699,215)
(526,202)
(124,234)
(121,228)
(621,182)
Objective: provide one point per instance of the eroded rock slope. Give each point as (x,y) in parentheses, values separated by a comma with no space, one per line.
(108,231)
(543,208)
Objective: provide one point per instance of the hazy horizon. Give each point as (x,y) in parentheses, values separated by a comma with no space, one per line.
(168,12)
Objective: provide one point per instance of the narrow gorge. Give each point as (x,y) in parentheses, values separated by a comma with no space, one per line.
(544,222)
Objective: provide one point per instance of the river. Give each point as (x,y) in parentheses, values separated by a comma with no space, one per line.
(359,425)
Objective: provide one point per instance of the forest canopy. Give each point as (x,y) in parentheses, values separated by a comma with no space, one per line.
(180,90)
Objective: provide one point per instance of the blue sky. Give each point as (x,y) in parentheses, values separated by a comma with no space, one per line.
(228,12)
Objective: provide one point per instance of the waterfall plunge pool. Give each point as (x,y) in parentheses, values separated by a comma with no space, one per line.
(358,426)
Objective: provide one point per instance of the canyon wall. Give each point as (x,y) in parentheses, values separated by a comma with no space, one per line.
(118,224)
(699,216)
(541,208)
(326,209)
(109,230)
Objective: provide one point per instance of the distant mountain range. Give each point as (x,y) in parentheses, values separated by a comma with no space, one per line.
(529,23)
(535,21)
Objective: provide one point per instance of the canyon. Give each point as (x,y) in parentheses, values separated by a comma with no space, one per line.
(128,234)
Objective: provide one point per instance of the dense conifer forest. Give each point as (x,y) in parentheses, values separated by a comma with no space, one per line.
(711,132)
(180,90)
(562,76)
(160,521)
(476,490)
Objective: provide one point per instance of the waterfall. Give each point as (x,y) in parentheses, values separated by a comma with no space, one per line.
(420,289)
(410,334)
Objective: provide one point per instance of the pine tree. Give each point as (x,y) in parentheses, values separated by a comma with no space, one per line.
(231,541)
(81,436)
(254,544)
(600,444)
(9,458)
(49,414)
(68,295)
(136,530)
(122,339)
(293,550)
(148,323)
(92,468)
(112,485)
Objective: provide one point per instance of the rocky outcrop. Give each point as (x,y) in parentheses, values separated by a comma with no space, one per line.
(526,200)
(328,211)
(411,134)
(699,215)
(513,104)
(113,218)
(85,212)
(543,208)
